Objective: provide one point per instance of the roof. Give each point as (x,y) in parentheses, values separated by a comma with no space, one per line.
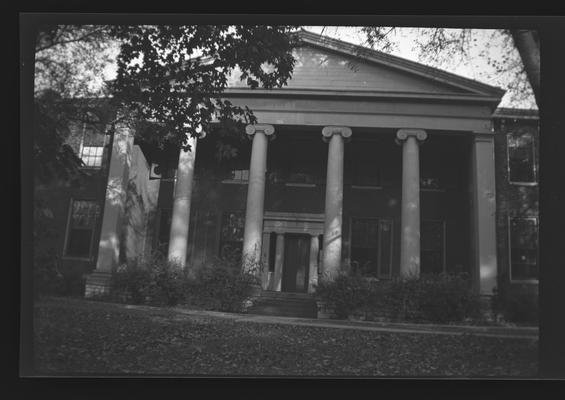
(378,57)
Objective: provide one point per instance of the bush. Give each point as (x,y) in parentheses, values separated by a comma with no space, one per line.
(223,286)
(345,294)
(47,279)
(50,277)
(516,306)
(434,298)
(155,281)
(219,285)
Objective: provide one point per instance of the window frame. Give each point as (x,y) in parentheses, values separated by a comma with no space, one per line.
(221,242)
(509,220)
(443,245)
(85,124)
(235,181)
(68,231)
(379,244)
(534,167)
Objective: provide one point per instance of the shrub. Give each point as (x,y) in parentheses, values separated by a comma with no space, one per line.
(433,298)
(154,281)
(219,285)
(516,306)
(47,279)
(446,298)
(223,286)
(345,294)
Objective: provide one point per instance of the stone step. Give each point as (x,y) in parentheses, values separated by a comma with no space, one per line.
(282,312)
(284,304)
(286,295)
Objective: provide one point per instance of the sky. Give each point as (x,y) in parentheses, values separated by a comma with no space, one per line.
(475,67)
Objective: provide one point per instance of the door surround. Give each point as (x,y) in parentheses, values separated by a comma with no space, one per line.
(281,223)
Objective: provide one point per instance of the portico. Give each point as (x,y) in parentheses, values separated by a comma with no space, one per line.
(300,230)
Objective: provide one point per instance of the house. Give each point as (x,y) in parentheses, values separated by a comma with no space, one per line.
(363,161)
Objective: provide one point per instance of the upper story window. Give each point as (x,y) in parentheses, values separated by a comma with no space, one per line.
(521,162)
(92,144)
(523,249)
(92,156)
(82,222)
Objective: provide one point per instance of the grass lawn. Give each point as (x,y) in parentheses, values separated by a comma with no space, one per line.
(73,337)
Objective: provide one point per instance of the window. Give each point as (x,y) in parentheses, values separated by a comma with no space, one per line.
(92,146)
(432,251)
(521,168)
(371,247)
(240,175)
(81,225)
(92,156)
(231,237)
(523,249)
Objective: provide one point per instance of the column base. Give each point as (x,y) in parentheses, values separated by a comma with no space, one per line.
(98,284)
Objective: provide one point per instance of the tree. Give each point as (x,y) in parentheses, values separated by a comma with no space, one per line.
(174,76)
(438,46)
(528,45)
(68,60)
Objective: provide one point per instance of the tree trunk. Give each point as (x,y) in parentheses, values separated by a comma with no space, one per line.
(527,43)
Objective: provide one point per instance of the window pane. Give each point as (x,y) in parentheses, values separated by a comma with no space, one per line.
(84,214)
(521,158)
(92,156)
(79,242)
(524,248)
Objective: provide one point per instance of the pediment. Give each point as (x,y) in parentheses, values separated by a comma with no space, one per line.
(324,64)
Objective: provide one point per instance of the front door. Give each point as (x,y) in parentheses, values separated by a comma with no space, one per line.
(296,263)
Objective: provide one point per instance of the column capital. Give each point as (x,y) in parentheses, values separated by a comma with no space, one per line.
(267,129)
(329,131)
(403,134)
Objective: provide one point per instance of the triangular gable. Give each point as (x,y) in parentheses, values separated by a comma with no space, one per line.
(328,64)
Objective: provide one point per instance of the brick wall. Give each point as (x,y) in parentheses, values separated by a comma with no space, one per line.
(512,199)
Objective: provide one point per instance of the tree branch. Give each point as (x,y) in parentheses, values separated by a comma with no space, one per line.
(528,47)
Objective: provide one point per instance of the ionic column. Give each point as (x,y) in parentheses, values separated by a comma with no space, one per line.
(410,214)
(253,231)
(334,199)
(178,239)
(313,272)
(279,260)
(484,212)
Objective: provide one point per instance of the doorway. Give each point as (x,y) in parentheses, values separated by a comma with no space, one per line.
(296,263)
